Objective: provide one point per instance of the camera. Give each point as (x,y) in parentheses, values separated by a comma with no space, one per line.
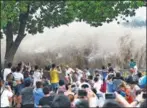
(110,96)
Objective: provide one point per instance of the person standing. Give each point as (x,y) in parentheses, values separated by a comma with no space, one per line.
(5,95)
(7,71)
(38,93)
(104,72)
(26,95)
(68,74)
(54,77)
(36,75)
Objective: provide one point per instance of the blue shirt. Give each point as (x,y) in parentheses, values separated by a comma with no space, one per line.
(38,94)
(110,87)
(104,74)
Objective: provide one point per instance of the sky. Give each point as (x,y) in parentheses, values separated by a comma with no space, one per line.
(79,34)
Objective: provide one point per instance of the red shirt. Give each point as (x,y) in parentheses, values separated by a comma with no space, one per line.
(103,87)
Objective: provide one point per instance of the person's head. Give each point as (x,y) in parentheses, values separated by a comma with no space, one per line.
(139,74)
(46,90)
(61,101)
(36,67)
(122,86)
(27,82)
(110,77)
(18,69)
(71,97)
(53,66)
(61,82)
(143,104)
(82,94)
(118,75)
(82,104)
(132,60)
(112,104)
(19,64)
(96,79)
(39,84)
(68,86)
(66,66)
(9,65)
(103,67)
(13,69)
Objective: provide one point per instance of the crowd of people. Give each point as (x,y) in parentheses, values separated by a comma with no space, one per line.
(25,86)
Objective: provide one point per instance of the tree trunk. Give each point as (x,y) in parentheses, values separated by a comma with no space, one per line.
(12,46)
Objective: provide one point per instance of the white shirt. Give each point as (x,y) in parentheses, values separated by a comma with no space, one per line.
(69,71)
(97,86)
(80,74)
(6,72)
(87,73)
(37,77)
(136,69)
(4,102)
(18,76)
(93,102)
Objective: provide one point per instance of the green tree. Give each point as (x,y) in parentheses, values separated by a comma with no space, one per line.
(19,18)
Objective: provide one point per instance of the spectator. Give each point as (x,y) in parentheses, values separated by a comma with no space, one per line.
(82,94)
(110,68)
(127,91)
(117,80)
(54,78)
(27,95)
(47,99)
(71,98)
(61,101)
(69,90)
(90,80)
(82,104)
(143,82)
(10,78)
(7,71)
(38,93)
(112,104)
(5,95)
(134,87)
(104,72)
(61,86)
(36,75)
(109,84)
(97,84)
(18,78)
(103,86)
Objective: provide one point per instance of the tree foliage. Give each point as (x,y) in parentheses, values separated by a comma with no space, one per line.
(54,13)
(98,12)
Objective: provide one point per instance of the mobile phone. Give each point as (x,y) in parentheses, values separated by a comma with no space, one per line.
(144,96)
(110,96)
